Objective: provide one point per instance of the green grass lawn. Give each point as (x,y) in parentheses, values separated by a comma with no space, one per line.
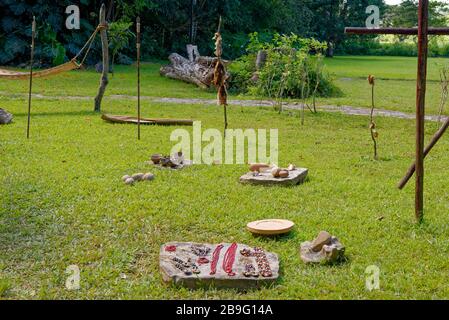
(395,87)
(123,82)
(63,203)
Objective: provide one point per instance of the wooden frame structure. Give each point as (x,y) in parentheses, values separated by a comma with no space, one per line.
(423,31)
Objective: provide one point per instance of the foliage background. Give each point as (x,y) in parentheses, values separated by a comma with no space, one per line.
(166,25)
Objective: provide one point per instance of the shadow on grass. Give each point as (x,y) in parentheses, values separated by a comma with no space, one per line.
(59,114)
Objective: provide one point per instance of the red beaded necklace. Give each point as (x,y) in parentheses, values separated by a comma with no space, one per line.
(228,260)
(215,257)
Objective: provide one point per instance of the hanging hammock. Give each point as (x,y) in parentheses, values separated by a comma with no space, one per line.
(13,75)
(68,66)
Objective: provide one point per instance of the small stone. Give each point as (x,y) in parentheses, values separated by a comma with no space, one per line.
(125,177)
(138,176)
(148,176)
(323,238)
(5,117)
(129,181)
(275,172)
(283,174)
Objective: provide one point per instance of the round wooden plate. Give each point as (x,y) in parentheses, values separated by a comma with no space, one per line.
(270,227)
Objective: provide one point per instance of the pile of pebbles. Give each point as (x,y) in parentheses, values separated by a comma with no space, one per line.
(130,180)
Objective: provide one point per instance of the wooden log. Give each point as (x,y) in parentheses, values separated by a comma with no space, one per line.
(199,72)
(146,121)
(105,51)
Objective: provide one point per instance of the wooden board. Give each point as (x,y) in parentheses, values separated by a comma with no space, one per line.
(171,274)
(270,227)
(146,121)
(265,178)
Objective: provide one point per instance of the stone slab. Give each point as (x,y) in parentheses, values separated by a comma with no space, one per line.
(295,177)
(221,279)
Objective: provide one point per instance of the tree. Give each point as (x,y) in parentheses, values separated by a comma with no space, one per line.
(332,16)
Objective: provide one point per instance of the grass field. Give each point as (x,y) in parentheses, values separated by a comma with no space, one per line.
(395,87)
(63,203)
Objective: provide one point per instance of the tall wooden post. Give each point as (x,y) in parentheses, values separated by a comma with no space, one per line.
(420,106)
(105,51)
(33,35)
(138,76)
(422,32)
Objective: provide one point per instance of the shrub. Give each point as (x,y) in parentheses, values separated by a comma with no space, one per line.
(294,69)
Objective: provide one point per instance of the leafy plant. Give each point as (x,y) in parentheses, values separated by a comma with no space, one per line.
(119,35)
(294,69)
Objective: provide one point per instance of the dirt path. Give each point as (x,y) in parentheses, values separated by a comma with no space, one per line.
(356,111)
(350,110)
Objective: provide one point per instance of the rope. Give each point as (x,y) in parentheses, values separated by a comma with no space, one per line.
(72,64)
(89,43)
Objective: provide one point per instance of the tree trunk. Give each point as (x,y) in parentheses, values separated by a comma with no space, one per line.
(199,72)
(105,50)
(330,50)
(261,59)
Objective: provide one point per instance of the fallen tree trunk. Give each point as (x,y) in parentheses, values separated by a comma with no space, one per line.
(199,72)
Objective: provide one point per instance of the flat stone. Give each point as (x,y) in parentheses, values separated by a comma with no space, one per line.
(5,117)
(331,252)
(220,279)
(295,177)
(323,238)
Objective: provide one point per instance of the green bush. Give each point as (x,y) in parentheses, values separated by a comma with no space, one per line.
(294,69)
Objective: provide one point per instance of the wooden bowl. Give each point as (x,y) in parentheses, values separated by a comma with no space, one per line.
(270,227)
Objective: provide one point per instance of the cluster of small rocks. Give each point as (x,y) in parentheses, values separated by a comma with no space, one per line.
(130,180)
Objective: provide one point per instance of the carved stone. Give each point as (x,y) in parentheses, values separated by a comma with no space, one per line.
(266,178)
(322,249)
(171,274)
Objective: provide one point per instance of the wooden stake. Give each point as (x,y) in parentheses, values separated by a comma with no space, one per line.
(138,77)
(423,9)
(33,35)
(429,147)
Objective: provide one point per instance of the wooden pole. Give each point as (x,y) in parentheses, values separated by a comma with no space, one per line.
(429,147)
(138,77)
(33,35)
(423,8)
(105,51)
